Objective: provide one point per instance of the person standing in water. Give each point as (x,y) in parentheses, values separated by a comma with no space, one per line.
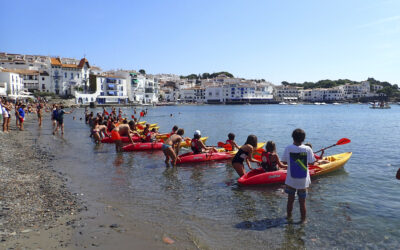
(60,119)
(171,147)
(297,156)
(245,153)
(39,109)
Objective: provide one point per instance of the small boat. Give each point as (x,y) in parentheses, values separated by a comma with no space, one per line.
(323,103)
(335,103)
(376,107)
(317,103)
(293,103)
(260,177)
(282,103)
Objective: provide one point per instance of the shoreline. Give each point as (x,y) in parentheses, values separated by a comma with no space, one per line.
(35,202)
(44,206)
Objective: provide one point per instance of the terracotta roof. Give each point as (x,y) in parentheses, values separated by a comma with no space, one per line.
(82,63)
(22,71)
(55,61)
(69,65)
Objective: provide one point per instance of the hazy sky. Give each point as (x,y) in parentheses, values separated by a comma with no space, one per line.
(289,40)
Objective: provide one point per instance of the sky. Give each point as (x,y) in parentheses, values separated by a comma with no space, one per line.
(289,40)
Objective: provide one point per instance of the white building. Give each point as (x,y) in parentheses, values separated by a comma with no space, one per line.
(11,83)
(215,95)
(321,94)
(351,91)
(286,93)
(68,75)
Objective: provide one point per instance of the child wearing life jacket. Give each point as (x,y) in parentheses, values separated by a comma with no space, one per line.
(149,136)
(319,158)
(231,141)
(270,159)
(198,146)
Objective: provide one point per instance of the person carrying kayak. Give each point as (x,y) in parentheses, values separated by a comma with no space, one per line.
(270,160)
(198,146)
(297,156)
(245,153)
(171,147)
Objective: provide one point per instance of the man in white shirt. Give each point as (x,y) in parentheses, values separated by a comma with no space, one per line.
(297,156)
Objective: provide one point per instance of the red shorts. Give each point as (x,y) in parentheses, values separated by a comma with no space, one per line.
(21,120)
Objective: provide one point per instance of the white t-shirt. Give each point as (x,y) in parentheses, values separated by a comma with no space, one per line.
(298,158)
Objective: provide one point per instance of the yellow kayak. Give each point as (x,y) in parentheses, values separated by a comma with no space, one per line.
(259,145)
(164,137)
(335,162)
(187,144)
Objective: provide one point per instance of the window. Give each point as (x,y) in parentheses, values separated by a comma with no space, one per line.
(43,86)
(42,78)
(65,75)
(72,75)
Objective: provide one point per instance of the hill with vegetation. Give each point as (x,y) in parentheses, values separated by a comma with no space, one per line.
(207,75)
(388,89)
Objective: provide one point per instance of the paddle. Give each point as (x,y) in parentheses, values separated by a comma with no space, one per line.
(339,142)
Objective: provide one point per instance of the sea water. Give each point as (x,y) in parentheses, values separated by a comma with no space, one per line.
(202,205)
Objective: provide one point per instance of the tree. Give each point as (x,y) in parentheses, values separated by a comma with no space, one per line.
(142,71)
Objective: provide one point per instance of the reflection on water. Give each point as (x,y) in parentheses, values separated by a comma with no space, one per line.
(350,208)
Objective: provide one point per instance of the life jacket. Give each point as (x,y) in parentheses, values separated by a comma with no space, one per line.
(317,157)
(266,163)
(149,137)
(228,145)
(195,146)
(115,136)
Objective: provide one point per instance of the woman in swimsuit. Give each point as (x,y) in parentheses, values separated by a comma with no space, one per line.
(245,153)
(171,147)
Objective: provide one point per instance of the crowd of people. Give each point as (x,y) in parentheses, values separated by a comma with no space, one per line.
(22,108)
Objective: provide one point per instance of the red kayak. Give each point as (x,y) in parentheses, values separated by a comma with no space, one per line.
(259,176)
(141,146)
(124,139)
(194,158)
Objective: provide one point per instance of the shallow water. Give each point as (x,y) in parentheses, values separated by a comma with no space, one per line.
(202,206)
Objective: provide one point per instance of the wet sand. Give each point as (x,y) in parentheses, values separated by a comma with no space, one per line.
(36,208)
(40,210)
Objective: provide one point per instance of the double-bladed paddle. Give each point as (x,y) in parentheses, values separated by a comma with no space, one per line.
(339,142)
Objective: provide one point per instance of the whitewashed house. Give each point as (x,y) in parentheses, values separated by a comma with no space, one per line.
(11,83)
(69,75)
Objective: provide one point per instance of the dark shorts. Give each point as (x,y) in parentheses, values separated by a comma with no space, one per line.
(302,193)
(60,122)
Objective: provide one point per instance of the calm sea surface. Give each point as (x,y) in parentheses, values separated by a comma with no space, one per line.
(202,205)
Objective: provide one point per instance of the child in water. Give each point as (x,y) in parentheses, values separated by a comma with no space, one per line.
(297,156)
(231,141)
(319,158)
(198,146)
(270,159)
